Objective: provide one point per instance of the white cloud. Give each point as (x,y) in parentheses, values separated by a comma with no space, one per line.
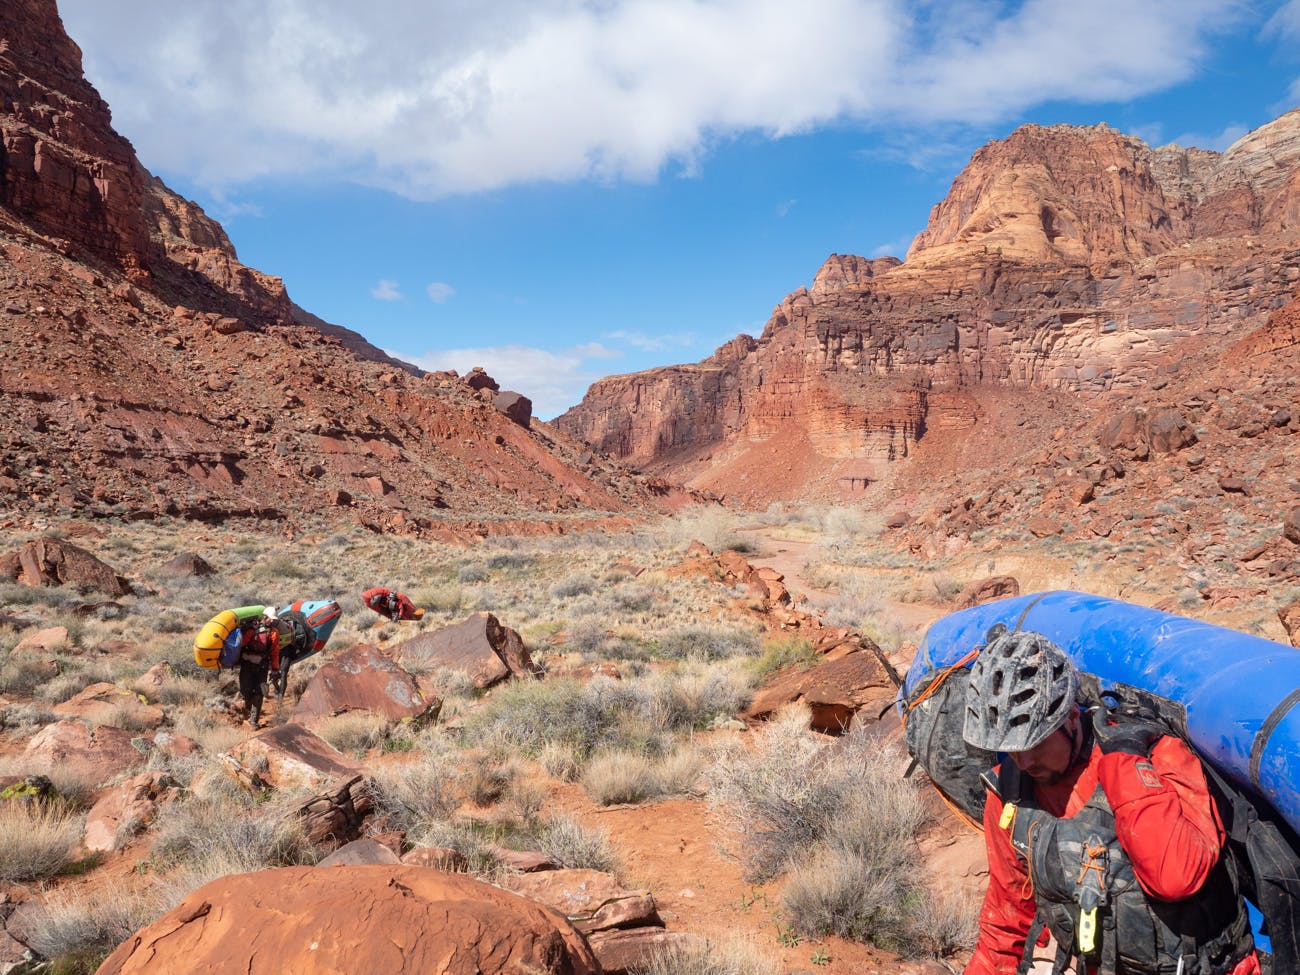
(783,209)
(653,343)
(386,290)
(1285,22)
(439,291)
(554,381)
(431,98)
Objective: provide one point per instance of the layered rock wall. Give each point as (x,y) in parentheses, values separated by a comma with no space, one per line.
(1063,258)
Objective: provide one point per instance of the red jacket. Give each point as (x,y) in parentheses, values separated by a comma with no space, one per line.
(1168,826)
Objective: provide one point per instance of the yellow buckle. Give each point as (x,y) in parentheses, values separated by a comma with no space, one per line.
(1008,816)
(1088,931)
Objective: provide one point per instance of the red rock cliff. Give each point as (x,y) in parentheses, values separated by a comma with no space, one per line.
(1063,258)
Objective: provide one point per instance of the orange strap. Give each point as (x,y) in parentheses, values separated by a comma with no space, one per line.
(942,676)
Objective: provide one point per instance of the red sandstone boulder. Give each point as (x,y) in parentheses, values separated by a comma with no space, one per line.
(288,757)
(393,919)
(97,754)
(44,640)
(480,646)
(187,564)
(124,810)
(105,703)
(51,562)
(362,679)
(594,901)
(1142,432)
(359,853)
(516,406)
(622,950)
(1291,526)
(1290,617)
(987,590)
(835,691)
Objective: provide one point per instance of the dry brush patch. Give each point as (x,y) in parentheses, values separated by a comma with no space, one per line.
(839,820)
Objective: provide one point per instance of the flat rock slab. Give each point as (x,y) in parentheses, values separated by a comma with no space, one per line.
(592,900)
(835,691)
(124,810)
(52,562)
(393,919)
(289,757)
(622,950)
(362,679)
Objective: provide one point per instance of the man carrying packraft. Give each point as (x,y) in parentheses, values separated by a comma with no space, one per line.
(259,658)
(1103,832)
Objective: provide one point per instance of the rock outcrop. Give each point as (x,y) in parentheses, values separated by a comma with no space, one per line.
(1065,263)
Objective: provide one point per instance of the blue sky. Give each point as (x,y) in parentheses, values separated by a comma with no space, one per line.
(558,190)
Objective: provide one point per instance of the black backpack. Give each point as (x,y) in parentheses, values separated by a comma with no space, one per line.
(1264,849)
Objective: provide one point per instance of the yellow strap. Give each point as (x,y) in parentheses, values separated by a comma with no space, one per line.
(1088,931)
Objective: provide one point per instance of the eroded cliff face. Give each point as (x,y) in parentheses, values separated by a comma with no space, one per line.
(144,371)
(1067,259)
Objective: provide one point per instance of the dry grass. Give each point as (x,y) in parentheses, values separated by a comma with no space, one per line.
(37,840)
(711,956)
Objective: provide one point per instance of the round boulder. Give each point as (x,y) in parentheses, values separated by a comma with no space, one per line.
(386,918)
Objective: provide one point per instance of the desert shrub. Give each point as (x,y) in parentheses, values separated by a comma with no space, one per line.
(355,732)
(710,956)
(575,584)
(213,837)
(463,836)
(713,642)
(560,761)
(792,792)
(614,777)
(277,568)
(695,694)
(25,719)
(524,716)
(573,846)
(178,689)
(785,651)
(416,794)
(713,525)
(617,776)
(23,674)
(448,599)
(76,933)
(39,840)
(486,783)
(473,572)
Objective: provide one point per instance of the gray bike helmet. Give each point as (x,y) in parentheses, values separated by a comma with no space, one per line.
(1022,688)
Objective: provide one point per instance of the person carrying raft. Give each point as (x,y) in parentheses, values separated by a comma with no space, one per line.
(1103,832)
(391,604)
(259,659)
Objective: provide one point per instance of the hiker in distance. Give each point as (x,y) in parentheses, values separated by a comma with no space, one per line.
(1102,831)
(392,604)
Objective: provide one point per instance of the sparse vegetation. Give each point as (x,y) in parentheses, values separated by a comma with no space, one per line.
(711,956)
(40,839)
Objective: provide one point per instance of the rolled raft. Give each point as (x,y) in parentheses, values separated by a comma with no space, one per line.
(1240,692)
(207,645)
(320,617)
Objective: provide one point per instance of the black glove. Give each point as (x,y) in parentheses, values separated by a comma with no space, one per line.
(1131,736)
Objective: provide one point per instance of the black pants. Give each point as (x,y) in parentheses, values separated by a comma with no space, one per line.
(251,678)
